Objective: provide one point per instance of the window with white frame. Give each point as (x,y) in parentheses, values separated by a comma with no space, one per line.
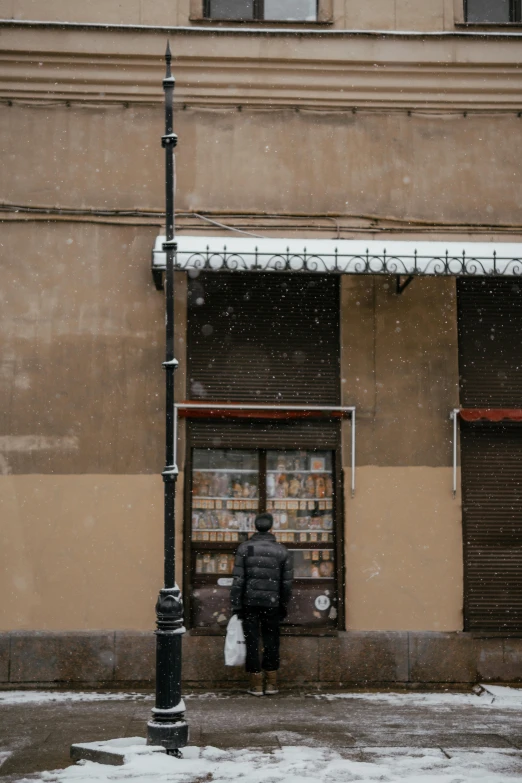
(262,10)
(492,11)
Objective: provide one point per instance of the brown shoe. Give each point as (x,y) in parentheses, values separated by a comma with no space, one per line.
(271,684)
(256,684)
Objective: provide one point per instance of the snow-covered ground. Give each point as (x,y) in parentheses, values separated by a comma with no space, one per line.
(42,697)
(294,764)
(484,696)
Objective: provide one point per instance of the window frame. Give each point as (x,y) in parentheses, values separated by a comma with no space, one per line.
(337,546)
(515,16)
(259,17)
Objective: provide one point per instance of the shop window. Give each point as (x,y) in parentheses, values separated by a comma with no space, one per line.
(492,11)
(228,488)
(262,10)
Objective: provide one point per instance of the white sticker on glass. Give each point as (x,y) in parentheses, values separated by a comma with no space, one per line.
(322,602)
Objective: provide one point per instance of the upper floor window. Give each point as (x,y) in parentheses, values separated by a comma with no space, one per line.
(493,11)
(262,10)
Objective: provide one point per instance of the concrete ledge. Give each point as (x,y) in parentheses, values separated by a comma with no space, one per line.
(368,658)
(113,752)
(63,656)
(4,657)
(364,657)
(134,656)
(443,657)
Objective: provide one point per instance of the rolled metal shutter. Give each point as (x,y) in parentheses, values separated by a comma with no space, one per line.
(258,337)
(490,344)
(256,434)
(490,359)
(492,515)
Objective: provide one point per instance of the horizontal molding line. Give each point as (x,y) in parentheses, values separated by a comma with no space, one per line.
(434,72)
(214,30)
(39,101)
(472,102)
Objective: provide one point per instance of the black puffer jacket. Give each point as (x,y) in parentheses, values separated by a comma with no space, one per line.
(263,574)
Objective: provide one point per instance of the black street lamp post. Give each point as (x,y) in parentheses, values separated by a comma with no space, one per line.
(168,726)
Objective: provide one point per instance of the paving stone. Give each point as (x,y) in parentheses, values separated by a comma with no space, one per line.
(112,752)
(467,740)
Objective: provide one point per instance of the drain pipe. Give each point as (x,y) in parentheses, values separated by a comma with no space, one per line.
(454,415)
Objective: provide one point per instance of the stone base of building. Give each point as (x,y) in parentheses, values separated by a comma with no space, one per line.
(125,659)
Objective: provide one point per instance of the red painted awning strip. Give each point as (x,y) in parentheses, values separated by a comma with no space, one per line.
(491,414)
(267,413)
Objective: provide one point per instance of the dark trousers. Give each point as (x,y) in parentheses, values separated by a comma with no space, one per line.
(254,619)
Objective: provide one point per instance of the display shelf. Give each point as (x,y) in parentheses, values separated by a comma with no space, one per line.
(227,497)
(231,546)
(288,500)
(298,470)
(228,470)
(275,531)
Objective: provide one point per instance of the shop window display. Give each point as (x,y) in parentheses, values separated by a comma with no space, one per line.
(229,487)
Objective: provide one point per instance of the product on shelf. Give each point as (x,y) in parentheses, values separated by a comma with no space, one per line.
(320,487)
(309,487)
(270,485)
(326,569)
(313,564)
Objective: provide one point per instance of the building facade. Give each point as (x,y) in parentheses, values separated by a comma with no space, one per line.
(306,126)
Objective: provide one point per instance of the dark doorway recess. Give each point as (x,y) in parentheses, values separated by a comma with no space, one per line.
(492,516)
(264,338)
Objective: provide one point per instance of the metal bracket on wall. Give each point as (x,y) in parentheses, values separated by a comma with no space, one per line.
(304,409)
(400,287)
(454,416)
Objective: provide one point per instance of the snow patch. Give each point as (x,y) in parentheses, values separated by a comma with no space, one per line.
(41,697)
(295,764)
(491,695)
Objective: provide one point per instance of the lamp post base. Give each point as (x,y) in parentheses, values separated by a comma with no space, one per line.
(171,735)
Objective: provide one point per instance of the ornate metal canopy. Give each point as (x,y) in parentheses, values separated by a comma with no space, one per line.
(343,256)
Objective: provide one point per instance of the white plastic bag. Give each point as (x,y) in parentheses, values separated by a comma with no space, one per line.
(235,650)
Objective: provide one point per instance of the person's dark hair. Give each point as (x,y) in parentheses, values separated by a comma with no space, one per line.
(264,522)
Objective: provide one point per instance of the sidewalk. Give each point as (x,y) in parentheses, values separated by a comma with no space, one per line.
(333,737)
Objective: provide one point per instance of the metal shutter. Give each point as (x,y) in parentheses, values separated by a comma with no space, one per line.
(258,337)
(490,347)
(492,515)
(255,434)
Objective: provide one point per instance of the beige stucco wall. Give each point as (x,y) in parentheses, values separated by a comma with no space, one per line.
(403,550)
(403,529)
(360,15)
(81,334)
(435,168)
(82,552)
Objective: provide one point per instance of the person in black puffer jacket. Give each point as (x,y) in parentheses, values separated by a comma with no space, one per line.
(261,590)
